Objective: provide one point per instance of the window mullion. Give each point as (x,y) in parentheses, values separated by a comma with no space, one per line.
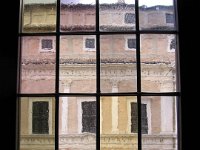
(57,76)
(138,74)
(98,91)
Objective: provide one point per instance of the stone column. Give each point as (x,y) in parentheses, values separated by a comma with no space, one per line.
(64,108)
(167,108)
(115,103)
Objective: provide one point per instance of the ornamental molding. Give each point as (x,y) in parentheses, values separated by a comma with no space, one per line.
(118,72)
(44,140)
(85,141)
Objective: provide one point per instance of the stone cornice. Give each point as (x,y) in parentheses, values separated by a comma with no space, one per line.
(153,72)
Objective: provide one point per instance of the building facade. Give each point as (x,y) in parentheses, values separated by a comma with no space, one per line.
(77,74)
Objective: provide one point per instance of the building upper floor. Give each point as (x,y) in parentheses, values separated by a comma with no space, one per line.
(82,17)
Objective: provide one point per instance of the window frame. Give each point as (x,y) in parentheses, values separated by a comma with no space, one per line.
(97,33)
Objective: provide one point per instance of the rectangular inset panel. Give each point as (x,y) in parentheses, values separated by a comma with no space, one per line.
(77,123)
(78,64)
(118,63)
(38,64)
(39,16)
(156,15)
(158,62)
(117,16)
(78,15)
(118,123)
(37,123)
(159,122)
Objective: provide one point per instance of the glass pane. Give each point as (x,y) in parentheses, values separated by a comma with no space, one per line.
(77,123)
(159,123)
(117,15)
(78,15)
(158,61)
(39,16)
(78,64)
(37,123)
(38,64)
(118,63)
(118,123)
(156,15)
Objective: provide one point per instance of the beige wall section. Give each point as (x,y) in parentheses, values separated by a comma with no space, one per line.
(72,115)
(24,116)
(123,116)
(42,15)
(106,115)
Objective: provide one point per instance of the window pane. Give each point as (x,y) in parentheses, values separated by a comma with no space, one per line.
(161,121)
(117,122)
(78,64)
(158,63)
(118,63)
(156,15)
(38,64)
(78,16)
(77,123)
(37,123)
(118,16)
(40,117)
(39,16)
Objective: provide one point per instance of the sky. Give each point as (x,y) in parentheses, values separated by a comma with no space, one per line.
(141,2)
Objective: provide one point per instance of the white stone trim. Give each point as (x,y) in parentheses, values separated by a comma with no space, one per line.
(38,99)
(89,37)
(79,114)
(148,103)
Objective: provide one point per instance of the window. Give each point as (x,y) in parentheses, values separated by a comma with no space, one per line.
(89,43)
(47,44)
(131,43)
(108,79)
(169,18)
(40,118)
(134,123)
(89,117)
(173,44)
(129,18)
